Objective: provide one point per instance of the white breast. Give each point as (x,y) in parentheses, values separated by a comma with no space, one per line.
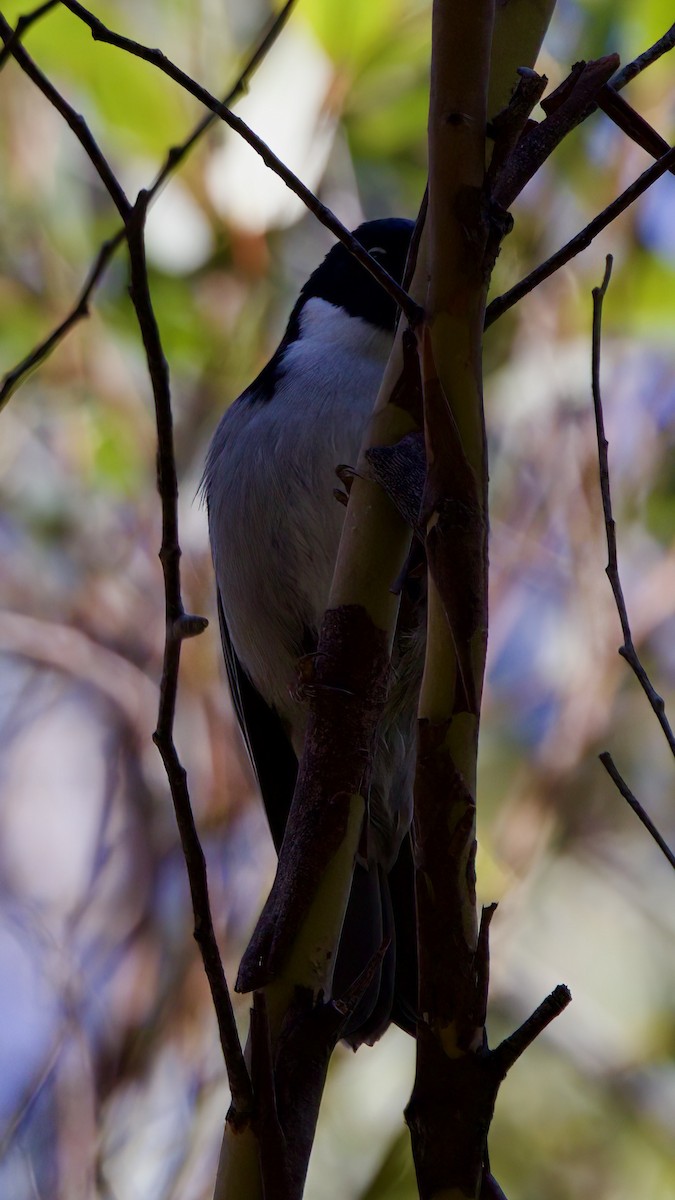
(273,519)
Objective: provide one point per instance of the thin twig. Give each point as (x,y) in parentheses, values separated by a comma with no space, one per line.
(178,625)
(566,108)
(14,378)
(631,122)
(73,119)
(267,40)
(631,69)
(608,763)
(509,1051)
(635,128)
(22,26)
(628,650)
(582,239)
(101,33)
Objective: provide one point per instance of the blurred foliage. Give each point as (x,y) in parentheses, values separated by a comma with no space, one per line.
(112,1081)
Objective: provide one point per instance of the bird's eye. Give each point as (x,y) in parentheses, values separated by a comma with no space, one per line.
(376,251)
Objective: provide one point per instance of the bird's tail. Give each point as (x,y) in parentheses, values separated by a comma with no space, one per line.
(381,909)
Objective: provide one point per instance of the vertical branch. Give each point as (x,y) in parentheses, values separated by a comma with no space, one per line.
(448,1138)
(627,650)
(457,1078)
(519,28)
(180,625)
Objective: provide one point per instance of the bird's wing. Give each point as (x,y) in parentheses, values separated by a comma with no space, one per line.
(268,744)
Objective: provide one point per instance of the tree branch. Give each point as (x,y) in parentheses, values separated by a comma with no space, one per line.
(178,626)
(581,240)
(628,650)
(22,26)
(608,763)
(568,106)
(174,158)
(14,378)
(73,119)
(631,124)
(509,1051)
(631,69)
(156,58)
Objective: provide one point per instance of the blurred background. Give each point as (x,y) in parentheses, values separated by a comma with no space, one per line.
(112,1083)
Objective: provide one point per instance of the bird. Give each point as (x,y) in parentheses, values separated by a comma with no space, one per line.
(274,527)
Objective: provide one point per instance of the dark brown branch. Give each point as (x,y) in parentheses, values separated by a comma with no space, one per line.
(15,377)
(178,625)
(22,26)
(507,127)
(631,69)
(73,119)
(175,156)
(628,650)
(273,1163)
(577,98)
(510,1050)
(267,40)
(582,239)
(631,123)
(608,763)
(156,58)
(308,1036)
(568,106)
(587,87)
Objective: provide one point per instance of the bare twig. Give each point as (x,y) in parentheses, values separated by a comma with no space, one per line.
(568,106)
(22,26)
(179,625)
(14,378)
(582,239)
(156,58)
(631,69)
(631,123)
(510,1050)
(73,119)
(507,126)
(608,763)
(628,650)
(267,40)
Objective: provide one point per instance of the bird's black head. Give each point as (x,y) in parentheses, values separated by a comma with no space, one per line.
(344,282)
